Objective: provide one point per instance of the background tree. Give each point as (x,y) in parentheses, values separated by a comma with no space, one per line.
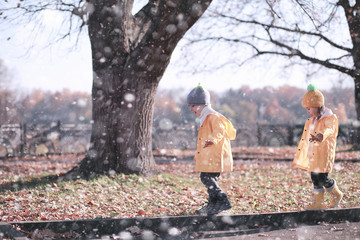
(47,107)
(166,107)
(322,37)
(130,53)
(246,106)
(8,113)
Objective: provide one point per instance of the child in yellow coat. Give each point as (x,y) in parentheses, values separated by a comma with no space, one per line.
(213,153)
(316,151)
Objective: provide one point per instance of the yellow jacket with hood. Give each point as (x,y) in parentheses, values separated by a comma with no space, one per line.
(216,157)
(321,158)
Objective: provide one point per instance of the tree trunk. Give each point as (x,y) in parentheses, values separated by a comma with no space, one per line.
(121,135)
(353,20)
(356,145)
(130,55)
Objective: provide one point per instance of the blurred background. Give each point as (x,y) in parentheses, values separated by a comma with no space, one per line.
(249,54)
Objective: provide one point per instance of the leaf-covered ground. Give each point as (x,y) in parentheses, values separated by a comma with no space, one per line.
(29,193)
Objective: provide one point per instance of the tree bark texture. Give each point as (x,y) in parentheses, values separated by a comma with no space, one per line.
(130,54)
(352,13)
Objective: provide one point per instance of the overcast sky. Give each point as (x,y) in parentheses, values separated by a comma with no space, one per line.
(62,65)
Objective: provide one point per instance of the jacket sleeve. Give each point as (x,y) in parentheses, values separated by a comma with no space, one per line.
(217,130)
(230,130)
(329,127)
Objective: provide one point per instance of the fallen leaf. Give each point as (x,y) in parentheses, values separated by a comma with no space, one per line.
(334,228)
(26,213)
(325,224)
(141,212)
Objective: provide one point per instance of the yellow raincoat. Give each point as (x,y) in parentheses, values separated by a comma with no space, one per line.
(217,157)
(321,159)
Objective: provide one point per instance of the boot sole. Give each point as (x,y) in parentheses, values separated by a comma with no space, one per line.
(314,209)
(201,212)
(220,210)
(336,205)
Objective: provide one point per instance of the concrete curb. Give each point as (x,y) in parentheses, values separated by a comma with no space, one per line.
(6,230)
(184,227)
(251,159)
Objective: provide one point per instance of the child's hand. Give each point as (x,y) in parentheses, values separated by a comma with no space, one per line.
(318,137)
(208,143)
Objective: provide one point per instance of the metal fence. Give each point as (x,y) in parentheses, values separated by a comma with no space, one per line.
(35,139)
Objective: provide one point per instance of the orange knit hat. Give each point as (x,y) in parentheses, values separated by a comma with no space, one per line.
(313,97)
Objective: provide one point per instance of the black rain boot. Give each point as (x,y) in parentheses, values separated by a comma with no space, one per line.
(204,210)
(222,203)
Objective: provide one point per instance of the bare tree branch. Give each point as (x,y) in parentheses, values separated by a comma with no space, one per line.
(272,8)
(306,12)
(269,26)
(297,52)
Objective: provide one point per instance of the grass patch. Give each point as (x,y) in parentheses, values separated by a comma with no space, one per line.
(251,187)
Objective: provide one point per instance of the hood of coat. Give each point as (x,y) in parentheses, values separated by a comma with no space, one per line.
(230,130)
(205,112)
(327,112)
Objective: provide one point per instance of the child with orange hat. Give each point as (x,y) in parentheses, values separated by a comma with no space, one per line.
(213,153)
(316,151)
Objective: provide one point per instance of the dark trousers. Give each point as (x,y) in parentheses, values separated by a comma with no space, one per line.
(210,182)
(321,180)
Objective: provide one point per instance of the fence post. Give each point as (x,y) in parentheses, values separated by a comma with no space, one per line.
(258,134)
(21,149)
(290,140)
(22,138)
(58,129)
